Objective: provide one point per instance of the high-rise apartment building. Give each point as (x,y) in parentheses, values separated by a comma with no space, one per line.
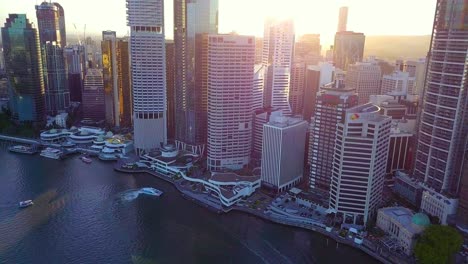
(443,124)
(116,74)
(364,77)
(93,96)
(278,46)
(170,86)
(51,23)
(192,19)
(342,19)
(361,150)
(331,104)
(398,83)
(348,48)
(23,66)
(76,66)
(230,80)
(283,152)
(148,71)
(296,92)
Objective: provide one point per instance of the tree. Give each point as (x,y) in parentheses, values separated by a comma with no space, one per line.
(437,245)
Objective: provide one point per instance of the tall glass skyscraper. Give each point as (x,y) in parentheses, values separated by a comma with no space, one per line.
(24,69)
(192,19)
(443,125)
(148,71)
(51,24)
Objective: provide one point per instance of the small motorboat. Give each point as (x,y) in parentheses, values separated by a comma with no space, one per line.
(86,160)
(24,204)
(151,191)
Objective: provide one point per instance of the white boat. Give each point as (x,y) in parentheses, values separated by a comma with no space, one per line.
(151,191)
(24,204)
(22,149)
(52,153)
(86,160)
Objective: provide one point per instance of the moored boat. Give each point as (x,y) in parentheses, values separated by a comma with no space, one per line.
(24,204)
(22,149)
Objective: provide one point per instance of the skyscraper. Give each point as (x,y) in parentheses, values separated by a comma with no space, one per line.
(76,64)
(397,83)
(315,77)
(331,104)
(51,23)
(342,19)
(23,67)
(57,93)
(230,81)
(308,49)
(364,77)
(278,47)
(283,152)
(116,74)
(348,48)
(93,96)
(170,84)
(148,71)
(361,150)
(192,19)
(296,93)
(443,124)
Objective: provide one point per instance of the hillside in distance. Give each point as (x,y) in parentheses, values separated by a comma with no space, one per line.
(392,48)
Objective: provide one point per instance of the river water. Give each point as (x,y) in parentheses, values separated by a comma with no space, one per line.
(86,213)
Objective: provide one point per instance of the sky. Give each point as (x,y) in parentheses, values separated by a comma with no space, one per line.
(372,17)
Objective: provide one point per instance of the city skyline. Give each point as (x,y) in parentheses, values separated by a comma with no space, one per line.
(308,17)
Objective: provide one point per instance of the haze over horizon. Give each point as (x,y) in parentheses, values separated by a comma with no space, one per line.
(247,16)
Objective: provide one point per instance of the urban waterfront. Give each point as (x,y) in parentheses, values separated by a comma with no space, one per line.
(81,215)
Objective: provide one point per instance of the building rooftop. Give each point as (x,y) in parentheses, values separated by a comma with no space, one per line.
(414,223)
(232,177)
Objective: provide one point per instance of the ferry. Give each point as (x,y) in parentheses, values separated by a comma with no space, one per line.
(86,159)
(22,149)
(52,153)
(151,191)
(25,204)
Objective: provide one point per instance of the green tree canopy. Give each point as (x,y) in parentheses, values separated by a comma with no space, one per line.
(437,245)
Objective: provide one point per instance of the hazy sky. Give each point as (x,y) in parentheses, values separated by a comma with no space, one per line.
(372,17)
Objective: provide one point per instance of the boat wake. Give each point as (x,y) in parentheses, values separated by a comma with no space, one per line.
(132,194)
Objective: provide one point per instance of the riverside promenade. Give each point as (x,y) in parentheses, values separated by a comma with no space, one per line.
(369,247)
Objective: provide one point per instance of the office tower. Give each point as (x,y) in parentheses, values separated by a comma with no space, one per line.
(170,86)
(278,45)
(192,19)
(331,104)
(308,49)
(261,117)
(23,67)
(57,94)
(348,48)
(397,83)
(342,19)
(51,23)
(258,87)
(76,66)
(116,74)
(258,50)
(2,59)
(283,152)
(230,80)
(90,50)
(361,150)
(94,108)
(296,93)
(416,69)
(364,77)
(148,71)
(462,210)
(443,122)
(315,77)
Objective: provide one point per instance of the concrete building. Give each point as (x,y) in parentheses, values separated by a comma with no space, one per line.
(261,117)
(462,211)
(170,84)
(348,48)
(364,77)
(25,76)
(398,83)
(296,92)
(258,87)
(408,188)
(278,47)
(93,96)
(148,71)
(283,152)
(308,49)
(443,123)
(342,19)
(438,205)
(416,69)
(230,87)
(359,161)
(316,76)
(401,224)
(192,21)
(332,103)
